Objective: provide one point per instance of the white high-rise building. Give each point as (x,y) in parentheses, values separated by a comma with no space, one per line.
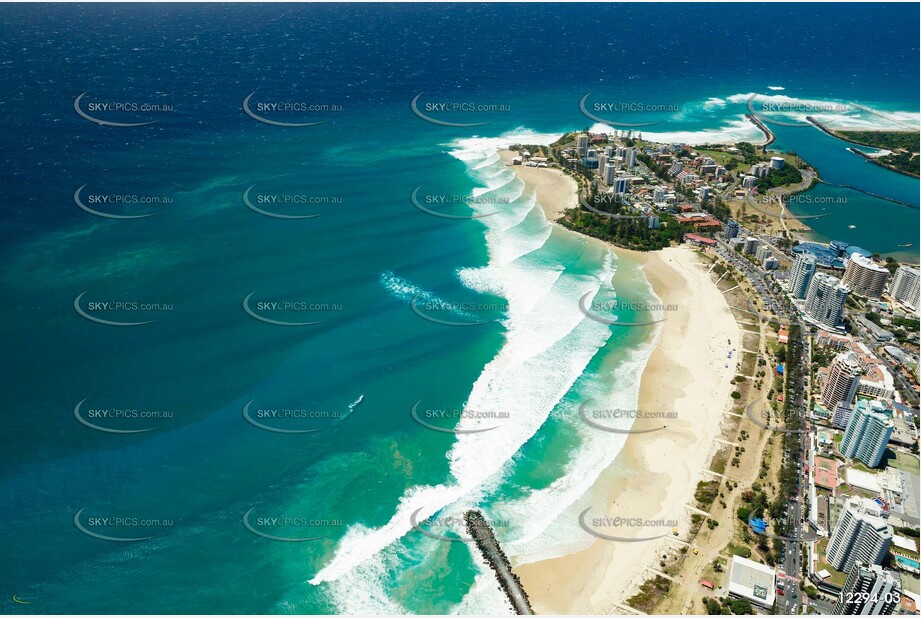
(869,590)
(905,286)
(630,159)
(843,381)
(825,301)
(762,252)
(609,175)
(621,185)
(865,277)
(862,533)
(750,245)
(582,144)
(801,274)
(868,432)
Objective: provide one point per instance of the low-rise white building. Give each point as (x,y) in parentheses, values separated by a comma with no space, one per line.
(753,581)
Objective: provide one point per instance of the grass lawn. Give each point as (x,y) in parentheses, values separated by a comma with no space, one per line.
(837,577)
(902,461)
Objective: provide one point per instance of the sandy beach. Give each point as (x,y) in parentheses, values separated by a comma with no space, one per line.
(655,475)
(555,190)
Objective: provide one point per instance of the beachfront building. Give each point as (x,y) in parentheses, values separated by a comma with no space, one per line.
(777,163)
(825,301)
(801,274)
(750,245)
(730,230)
(842,415)
(863,276)
(582,144)
(905,286)
(760,170)
(753,581)
(770,263)
(868,432)
(843,381)
(762,252)
(869,590)
(608,174)
(630,157)
(862,533)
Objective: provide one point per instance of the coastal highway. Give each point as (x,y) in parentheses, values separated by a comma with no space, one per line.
(792,597)
(793,548)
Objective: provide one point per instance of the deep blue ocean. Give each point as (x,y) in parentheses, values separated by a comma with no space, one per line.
(205,477)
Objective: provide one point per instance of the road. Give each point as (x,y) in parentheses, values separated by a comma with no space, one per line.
(773,300)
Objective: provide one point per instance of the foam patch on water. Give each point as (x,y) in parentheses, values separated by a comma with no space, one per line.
(549,343)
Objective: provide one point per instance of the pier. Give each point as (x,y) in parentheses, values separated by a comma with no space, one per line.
(767,132)
(481,532)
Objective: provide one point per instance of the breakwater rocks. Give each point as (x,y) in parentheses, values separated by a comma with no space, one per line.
(768,134)
(481,532)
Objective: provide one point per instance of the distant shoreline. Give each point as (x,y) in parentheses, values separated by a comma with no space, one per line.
(875,160)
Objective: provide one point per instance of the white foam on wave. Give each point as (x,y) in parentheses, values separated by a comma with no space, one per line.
(484,598)
(834,112)
(407,291)
(736,129)
(551,514)
(549,343)
(364,591)
(786,108)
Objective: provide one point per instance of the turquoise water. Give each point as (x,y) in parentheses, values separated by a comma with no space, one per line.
(907,561)
(370,470)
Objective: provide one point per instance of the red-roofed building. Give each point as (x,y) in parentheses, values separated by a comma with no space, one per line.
(699,240)
(783,335)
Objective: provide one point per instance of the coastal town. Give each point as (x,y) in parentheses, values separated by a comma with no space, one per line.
(811,501)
